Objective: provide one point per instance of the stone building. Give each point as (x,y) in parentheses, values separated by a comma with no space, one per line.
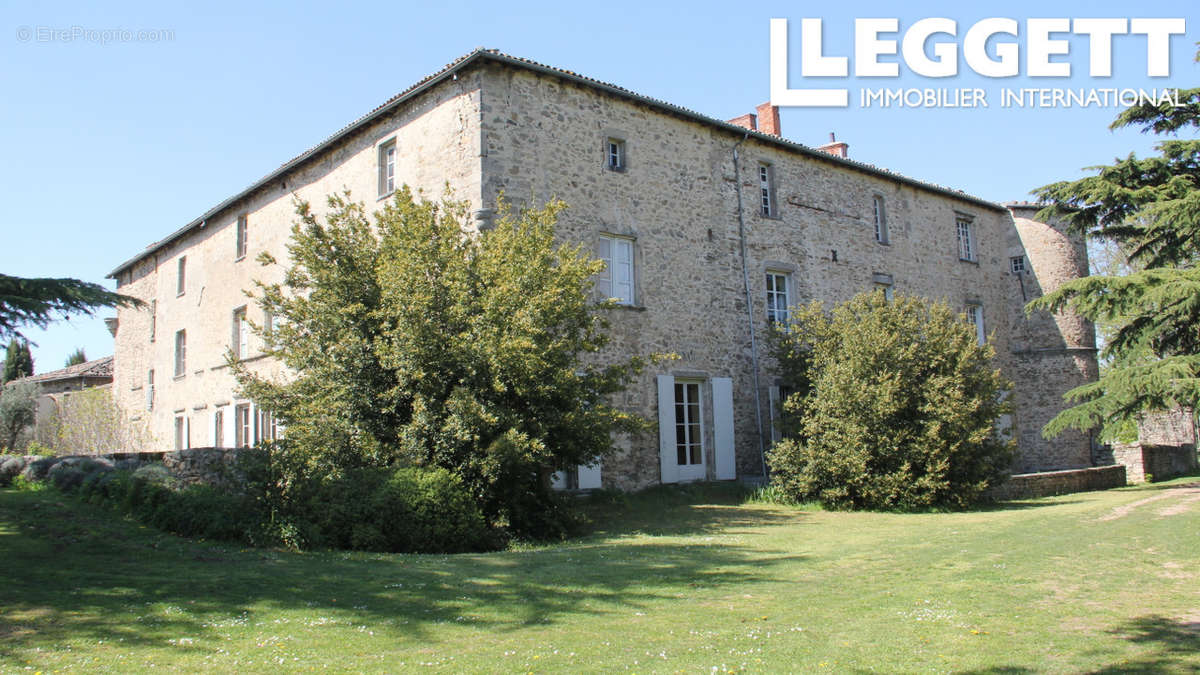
(710,228)
(55,386)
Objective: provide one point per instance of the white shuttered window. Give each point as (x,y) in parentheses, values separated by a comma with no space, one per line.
(616,279)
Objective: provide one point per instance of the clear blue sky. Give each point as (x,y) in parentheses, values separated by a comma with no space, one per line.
(109,147)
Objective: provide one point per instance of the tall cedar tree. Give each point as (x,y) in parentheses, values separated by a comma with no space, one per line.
(1151,208)
(18,360)
(38,302)
(414,342)
(77,357)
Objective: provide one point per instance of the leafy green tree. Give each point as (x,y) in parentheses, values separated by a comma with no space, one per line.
(895,406)
(18,404)
(1150,208)
(18,360)
(37,302)
(77,357)
(416,343)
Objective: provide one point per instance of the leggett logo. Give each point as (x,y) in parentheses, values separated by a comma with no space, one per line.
(940,35)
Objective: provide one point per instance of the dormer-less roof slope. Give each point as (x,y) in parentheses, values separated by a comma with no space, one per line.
(102,367)
(482,55)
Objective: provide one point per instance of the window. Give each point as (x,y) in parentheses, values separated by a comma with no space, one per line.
(886,288)
(689,445)
(766,188)
(153,318)
(966,247)
(614,154)
(265,429)
(387,168)
(150,389)
(881,228)
(242,236)
(975,316)
(219,428)
(270,322)
(241,334)
(616,279)
(181,276)
(777,297)
(242,431)
(1017,264)
(180,353)
(182,442)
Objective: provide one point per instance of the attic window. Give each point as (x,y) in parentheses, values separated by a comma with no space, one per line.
(387,168)
(614,154)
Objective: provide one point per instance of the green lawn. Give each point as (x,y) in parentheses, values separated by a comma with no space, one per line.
(674,581)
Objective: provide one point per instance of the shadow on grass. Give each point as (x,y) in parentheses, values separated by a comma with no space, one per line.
(679,510)
(1173,645)
(1171,484)
(77,572)
(1021,504)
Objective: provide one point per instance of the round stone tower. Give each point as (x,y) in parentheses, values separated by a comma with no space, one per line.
(1051,353)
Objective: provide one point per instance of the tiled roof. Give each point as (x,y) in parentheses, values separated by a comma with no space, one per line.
(102,367)
(482,54)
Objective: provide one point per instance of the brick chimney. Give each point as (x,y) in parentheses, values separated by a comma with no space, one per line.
(768,119)
(747,121)
(835,147)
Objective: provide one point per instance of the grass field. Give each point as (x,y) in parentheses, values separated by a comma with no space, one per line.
(671,581)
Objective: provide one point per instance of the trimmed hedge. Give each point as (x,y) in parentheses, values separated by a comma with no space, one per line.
(407,510)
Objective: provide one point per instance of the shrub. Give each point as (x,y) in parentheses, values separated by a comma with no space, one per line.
(37,468)
(895,407)
(18,403)
(151,495)
(10,468)
(415,345)
(415,509)
(40,449)
(91,422)
(69,473)
(201,511)
(426,510)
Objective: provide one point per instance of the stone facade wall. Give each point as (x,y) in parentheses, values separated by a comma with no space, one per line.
(677,199)
(437,138)
(1147,461)
(1049,354)
(689,210)
(1050,483)
(1168,427)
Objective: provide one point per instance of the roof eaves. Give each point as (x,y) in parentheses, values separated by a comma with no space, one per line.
(498,56)
(768,138)
(386,106)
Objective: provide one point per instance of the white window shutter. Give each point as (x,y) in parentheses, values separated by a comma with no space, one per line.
(722,388)
(604,252)
(776,410)
(230,422)
(622,270)
(187,432)
(666,429)
(589,476)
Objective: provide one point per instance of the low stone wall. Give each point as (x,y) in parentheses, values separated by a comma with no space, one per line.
(1050,483)
(1152,462)
(209,466)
